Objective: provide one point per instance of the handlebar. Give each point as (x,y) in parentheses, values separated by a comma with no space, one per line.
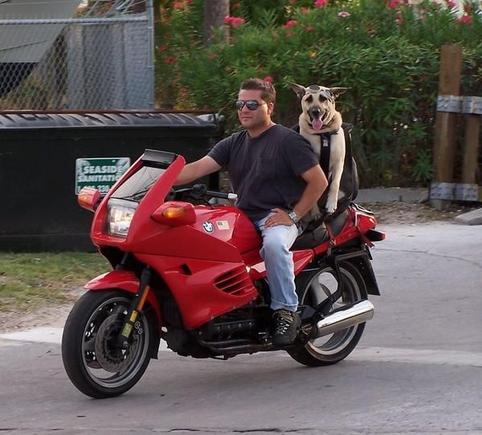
(199,191)
(222,195)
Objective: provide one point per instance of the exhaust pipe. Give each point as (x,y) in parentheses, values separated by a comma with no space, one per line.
(345,318)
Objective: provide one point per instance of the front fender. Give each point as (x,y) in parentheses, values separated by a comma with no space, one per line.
(123,280)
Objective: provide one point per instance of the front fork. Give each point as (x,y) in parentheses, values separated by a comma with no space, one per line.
(135,308)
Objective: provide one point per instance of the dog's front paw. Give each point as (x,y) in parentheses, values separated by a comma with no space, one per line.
(330,207)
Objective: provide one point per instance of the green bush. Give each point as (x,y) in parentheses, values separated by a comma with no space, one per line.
(388,55)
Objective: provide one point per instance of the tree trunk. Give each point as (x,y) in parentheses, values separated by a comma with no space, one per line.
(214,13)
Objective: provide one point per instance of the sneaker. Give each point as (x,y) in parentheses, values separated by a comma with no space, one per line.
(286,325)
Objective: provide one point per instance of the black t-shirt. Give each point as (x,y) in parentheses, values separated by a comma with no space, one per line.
(265,170)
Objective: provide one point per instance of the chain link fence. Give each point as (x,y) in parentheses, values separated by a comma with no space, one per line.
(101,59)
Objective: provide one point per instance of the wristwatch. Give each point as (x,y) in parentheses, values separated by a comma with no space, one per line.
(294,217)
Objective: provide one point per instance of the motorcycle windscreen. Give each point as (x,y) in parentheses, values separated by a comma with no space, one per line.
(166,167)
(141,189)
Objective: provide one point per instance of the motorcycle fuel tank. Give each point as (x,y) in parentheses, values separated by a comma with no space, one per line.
(229,225)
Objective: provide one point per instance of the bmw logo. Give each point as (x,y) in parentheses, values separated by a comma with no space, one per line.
(208,227)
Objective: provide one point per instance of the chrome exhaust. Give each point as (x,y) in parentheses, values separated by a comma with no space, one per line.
(345,318)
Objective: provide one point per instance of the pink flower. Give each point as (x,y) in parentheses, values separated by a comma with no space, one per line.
(290,23)
(179,5)
(320,3)
(451,4)
(393,4)
(465,19)
(268,79)
(399,18)
(304,10)
(234,21)
(344,14)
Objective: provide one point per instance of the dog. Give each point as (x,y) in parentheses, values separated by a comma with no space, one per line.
(318,116)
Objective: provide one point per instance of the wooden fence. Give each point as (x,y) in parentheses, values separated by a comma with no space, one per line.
(447,185)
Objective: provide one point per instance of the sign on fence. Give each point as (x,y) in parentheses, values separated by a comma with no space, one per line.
(99,173)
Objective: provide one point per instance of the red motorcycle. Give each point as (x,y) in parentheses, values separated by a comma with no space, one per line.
(186,269)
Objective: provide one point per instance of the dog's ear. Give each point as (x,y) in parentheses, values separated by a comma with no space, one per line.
(298,90)
(338,91)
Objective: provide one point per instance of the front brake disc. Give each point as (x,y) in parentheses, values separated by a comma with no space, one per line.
(108,353)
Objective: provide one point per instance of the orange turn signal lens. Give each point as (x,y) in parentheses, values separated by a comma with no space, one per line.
(174,212)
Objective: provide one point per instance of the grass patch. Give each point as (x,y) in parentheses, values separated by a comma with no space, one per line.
(29,281)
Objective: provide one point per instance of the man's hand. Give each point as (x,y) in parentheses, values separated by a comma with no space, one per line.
(279,217)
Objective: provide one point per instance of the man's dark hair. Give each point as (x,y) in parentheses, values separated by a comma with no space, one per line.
(268,93)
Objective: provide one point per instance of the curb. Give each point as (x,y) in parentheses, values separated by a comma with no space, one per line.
(473,217)
(392,194)
(411,195)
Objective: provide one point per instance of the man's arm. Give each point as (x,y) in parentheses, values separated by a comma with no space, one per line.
(316,184)
(192,171)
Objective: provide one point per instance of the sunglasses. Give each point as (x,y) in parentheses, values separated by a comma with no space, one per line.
(318,89)
(250,104)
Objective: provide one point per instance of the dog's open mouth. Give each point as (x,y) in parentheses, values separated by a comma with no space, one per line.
(317,124)
(316,116)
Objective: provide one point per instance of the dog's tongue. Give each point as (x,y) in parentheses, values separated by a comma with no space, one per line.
(317,124)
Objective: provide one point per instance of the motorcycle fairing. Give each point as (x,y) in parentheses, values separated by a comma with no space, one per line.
(125,280)
(203,289)
(219,234)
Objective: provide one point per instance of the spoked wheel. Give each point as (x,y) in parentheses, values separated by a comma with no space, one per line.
(93,360)
(332,348)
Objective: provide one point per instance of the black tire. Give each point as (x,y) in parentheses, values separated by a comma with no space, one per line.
(335,347)
(87,353)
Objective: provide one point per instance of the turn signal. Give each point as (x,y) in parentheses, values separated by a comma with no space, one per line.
(89,198)
(375,236)
(175,213)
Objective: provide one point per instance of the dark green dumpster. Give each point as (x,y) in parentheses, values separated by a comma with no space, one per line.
(45,158)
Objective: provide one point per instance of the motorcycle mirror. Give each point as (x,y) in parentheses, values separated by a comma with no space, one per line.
(89,198)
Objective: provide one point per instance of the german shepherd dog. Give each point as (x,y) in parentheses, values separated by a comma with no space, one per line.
(318,116)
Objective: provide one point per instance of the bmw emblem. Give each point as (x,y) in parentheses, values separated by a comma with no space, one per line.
(208,227)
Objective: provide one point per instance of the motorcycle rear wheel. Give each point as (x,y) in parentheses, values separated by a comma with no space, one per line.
(335,347)
(91,357)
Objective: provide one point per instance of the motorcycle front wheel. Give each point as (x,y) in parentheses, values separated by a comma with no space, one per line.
(332,348)
(92,358)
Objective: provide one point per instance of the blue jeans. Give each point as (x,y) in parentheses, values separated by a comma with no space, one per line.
(278,260)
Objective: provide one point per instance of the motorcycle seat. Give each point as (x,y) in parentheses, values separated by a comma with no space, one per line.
(316,236)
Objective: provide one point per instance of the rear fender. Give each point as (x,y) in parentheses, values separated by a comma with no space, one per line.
(127,281)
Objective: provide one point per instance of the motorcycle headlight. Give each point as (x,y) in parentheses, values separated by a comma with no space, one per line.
(119,216)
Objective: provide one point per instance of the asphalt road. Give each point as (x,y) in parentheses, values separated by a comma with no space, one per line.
(418,368)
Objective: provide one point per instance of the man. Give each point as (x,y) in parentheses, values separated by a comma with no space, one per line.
(277,178)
